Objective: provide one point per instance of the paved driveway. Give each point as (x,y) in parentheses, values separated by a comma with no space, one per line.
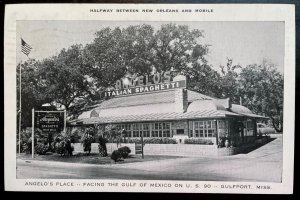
(263,164)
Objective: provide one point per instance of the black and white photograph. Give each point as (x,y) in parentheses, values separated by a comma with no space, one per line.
(138,103)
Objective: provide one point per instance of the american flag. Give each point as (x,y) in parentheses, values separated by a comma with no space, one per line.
(25,47)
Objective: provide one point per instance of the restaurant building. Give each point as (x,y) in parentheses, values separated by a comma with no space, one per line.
(170,110)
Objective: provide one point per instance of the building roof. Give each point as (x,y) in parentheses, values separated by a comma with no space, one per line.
(242,110)
(142,99)
(157,117)
(206,104)
(149,98)
(160,106)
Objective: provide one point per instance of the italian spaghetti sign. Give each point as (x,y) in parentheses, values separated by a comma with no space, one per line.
(144,84)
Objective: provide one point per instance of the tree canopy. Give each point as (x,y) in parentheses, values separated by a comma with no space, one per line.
(261,87)
(75,78)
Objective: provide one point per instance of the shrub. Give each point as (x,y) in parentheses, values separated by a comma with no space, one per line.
(134,140)
(26,142)
(41,149)
(26,146)
(87,141)
(124,151)
(63,145)
(75,136)
(60,148)
(154,140)
(160,141)
(116,156)
(198,141)
(102,146)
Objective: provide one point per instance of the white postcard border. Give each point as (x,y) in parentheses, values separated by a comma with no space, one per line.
(245,12)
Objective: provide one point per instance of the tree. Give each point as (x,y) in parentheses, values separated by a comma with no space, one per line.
(203,79)
(105,57)
(107,133)
(60,80)
(261,87)
(64,77)
(33,95)
(229,81)
(176,47)
(138,50)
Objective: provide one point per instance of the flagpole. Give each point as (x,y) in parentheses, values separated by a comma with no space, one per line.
(25,48)
(20,111)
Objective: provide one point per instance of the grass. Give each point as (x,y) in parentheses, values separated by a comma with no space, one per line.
(92,158)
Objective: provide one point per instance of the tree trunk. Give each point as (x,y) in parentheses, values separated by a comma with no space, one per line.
(277,126)
(102,150)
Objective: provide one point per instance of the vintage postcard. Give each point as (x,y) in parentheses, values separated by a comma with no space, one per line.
(180,98)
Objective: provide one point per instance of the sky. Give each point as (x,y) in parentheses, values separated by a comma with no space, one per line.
(244,42)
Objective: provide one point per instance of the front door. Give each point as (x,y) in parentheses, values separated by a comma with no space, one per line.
(179,131)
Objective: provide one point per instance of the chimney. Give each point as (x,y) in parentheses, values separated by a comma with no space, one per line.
(224,102)
(181,96)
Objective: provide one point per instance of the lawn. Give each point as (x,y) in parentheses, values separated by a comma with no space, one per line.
(92,158)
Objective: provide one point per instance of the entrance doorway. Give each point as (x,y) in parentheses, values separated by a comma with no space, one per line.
(179,131)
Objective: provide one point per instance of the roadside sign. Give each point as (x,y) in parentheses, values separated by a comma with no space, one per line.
(50,122)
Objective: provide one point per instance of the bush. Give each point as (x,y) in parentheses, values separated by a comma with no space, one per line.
(63,145)
(75,136)
(124,151)
(102,146)
(26,142)
(26,146)
(116,156)
(134,140)
(154,140)
(198,141)
(87,141)
(41,149)
(60,148)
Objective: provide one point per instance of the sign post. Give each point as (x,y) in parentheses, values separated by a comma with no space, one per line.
(142,141)
(65,122)
(32,134)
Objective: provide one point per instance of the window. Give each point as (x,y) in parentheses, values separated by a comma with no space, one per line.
(135,130)
(126,127)
(222,124)
(145,130)
(249,128)
(161,129)
(250,125)
(202,129)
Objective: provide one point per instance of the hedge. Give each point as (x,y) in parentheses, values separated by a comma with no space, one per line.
(198,141)
(153,140)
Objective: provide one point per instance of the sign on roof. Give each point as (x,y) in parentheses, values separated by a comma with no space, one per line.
(145,84)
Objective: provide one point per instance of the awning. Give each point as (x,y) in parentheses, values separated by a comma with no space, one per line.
(155,117)
(254,115)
